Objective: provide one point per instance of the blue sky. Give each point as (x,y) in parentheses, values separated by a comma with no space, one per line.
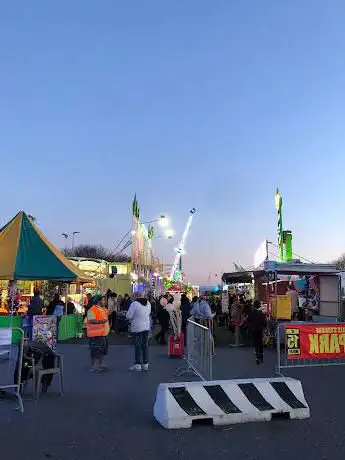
(211,104)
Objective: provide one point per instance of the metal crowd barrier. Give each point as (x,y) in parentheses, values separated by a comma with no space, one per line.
(199,349)
(283,347)
(6,349)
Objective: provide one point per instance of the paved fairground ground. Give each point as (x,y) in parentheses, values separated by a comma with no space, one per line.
(110,416)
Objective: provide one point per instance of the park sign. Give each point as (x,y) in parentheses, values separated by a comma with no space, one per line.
(311,341)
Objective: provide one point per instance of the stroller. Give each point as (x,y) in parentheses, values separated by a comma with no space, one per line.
(36,355)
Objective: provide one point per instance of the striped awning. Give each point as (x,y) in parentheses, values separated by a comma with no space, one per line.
(26,254)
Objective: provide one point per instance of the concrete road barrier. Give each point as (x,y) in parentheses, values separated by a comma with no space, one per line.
(226,402)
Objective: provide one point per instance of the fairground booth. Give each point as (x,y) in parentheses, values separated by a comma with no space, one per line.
(29,260)
(290,291)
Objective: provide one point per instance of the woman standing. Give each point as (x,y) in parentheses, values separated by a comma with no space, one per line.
(139,316)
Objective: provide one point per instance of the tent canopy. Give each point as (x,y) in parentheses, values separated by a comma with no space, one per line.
(26,254)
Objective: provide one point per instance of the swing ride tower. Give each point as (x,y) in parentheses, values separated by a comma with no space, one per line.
(176,271)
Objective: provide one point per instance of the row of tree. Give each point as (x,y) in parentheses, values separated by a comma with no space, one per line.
(341,262)
(90,251)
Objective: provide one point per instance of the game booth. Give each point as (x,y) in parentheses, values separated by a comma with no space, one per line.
(290,291)
(27,259)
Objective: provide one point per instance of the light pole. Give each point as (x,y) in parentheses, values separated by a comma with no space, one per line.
(65,235)
(169,233)
(163,222)
(129,242)
(73,235)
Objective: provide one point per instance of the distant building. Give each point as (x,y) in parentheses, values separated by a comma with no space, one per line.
(107,275)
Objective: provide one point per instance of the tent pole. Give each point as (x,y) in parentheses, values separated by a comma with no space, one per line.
(67,292)
(11,291)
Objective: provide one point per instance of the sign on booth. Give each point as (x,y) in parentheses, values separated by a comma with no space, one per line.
(315,341)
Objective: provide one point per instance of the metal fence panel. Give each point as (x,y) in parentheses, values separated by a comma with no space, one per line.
(284,363)
(199,349)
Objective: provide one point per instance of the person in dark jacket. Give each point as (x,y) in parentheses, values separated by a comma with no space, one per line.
(185,311)
(126,303)
(164,320)
(70,307)
(35,309)
(52,305)
(36,304)
(257,323)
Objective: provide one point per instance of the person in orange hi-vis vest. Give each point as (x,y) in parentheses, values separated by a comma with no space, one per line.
(97,326)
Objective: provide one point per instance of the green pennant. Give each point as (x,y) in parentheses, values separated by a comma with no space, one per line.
(150,232)
(135,208)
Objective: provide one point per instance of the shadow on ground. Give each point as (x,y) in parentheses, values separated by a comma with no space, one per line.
(110,416)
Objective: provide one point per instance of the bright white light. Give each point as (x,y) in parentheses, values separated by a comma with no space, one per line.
(277,199)
(156,275)
(134,276)
(169,233)
(133,232)
(163,221)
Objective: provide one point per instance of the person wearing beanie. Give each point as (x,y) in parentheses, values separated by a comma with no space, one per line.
(97,326)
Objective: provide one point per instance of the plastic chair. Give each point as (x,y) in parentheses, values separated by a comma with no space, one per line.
(56,370)
(31,375)
(6,340)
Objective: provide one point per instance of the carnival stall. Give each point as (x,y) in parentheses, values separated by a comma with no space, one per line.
(291,291)
(26,255)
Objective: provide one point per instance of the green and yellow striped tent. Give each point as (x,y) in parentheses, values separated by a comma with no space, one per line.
(26,254)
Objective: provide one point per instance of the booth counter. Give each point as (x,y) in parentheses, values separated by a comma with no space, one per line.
(69,326)
(17,321)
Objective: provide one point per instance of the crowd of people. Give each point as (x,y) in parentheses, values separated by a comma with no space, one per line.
(138,316)
(103,315)
(142,313)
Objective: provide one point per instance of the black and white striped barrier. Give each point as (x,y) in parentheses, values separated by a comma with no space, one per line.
(226,402)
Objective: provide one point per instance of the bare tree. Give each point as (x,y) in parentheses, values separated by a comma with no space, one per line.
(340,262)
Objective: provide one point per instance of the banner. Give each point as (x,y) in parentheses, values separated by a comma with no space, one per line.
(45,330)
(309,341)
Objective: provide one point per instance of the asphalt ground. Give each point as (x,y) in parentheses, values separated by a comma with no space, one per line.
(110,416)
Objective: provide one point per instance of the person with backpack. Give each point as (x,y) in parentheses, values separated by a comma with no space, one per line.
(257,322)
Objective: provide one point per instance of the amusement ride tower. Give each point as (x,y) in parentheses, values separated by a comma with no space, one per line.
(177,267)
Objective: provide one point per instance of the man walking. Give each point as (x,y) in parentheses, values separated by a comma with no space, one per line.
(97,332)
(257,323)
